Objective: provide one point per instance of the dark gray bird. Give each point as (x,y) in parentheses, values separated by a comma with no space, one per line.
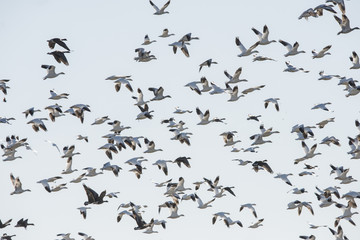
(60,56)
(262,165)
(93,197)
(182,160)
(23,223)
(60,41)
(5,224)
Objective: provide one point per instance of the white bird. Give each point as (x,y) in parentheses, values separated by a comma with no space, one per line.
(150,146)
(17,185)
(308,13)
(355,61)
(91,172)
(244,51)
(159,94)
(344,23)
(274,101)
(83,211)
(145,113)
(204,117)
(55,96)
(166,34)
(28,112)
(162,165)
(45,182)
(69,152)
(242,162)
(202,205)
(205,85)
(111,167)
(173,210)
(79,178)
(193,86)
(234,78)
(68,168)
(207,63)
(284,177)
(309,153)
(160,11)
(264,36)
(228,222)
(85,236)
(53,144)
(257,224)
(292,49)
(181,111)
(182,46)
(221,215)
(58,187)
(123,81)
(327,77)
(234,93)
(322,53)
(50,71)
(249,90)
(249,206)
(38,123)
(321,106)
(291,68)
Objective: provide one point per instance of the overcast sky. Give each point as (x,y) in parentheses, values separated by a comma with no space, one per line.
(102,36)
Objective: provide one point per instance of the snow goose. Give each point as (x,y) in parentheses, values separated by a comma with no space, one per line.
(228,222)
(5,224)
(109,148)
(45,182)
(291,68)
(136,161)
(147,40)
(159,94)
(249,206)
(182,46)
(284,177)
(249,90)
(17,185)
(58,187)
(257,224)
(23,223)
(321,106)
(180,185)
(298,191)
(124,81)
(85,236)
(229,138)
(204,117)
(91,172)
(263,37)
(320,9)
(150,146)
(267,132)
(205,85)
(332,139)
(111,167)
(309,153)
(207,63)
(262,58)
(143,55)
(234,78)
(221,215)
(308,13)
(162,184)
(162,10)
(166,34)
(258,140)
(181,111)
(202,205)
(323,123)
(162,165)
(339,234)
(234,94)
(344,24)
(292,49)
(50,71)
(307,205)
(193,86)
(173,210)
(38,123)
(242,162)
(59,41)
(6,120)
(69,152)
(7,237)
(54,111)
(217,90)
(81,137)
(182,160)
(245,52)
(132,142)
(355,60)
(322,53)
(257,165)
(311,237)
(274,101)
(145,113)
(117,128)
(352,89)
(79,178)
(149,228)
(253,117)
(68,168)
(187,38)
(327,77)
(60,56)
(55,96)
(93,197)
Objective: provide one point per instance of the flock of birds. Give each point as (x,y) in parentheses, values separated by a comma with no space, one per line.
(175,190)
